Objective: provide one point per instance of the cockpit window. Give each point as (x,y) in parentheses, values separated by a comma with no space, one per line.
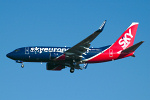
(17,50)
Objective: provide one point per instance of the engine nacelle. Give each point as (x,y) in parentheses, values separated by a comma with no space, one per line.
(54,66)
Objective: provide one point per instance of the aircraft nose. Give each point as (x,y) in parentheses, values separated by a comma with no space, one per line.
(9,55)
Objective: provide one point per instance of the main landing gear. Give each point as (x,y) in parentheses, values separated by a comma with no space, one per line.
(71,70)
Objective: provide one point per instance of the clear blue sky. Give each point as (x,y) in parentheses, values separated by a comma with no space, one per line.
(65,23)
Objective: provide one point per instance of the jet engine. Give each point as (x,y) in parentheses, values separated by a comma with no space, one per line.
(54,66)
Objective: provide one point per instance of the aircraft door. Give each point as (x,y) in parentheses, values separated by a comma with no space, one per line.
(26,50)
(110,53)
(50,55)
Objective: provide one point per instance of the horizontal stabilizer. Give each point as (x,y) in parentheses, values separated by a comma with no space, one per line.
(132,48)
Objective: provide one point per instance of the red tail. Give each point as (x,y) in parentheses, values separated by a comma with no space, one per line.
(127,38)
(114,52)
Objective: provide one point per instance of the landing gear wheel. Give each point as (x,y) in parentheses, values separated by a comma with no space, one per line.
(22,65)
(71,70)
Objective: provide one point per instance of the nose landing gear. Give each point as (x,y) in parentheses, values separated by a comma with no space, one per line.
(22,65)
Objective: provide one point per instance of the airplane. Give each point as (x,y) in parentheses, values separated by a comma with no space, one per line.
(58,58)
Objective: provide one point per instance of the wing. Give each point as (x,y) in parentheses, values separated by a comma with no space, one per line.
(75,53)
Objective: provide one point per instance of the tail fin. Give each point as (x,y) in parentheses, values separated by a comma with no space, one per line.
(127,38)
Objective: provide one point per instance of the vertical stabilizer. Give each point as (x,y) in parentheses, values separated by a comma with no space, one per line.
(127,38)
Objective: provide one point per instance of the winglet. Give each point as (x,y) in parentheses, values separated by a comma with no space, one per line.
(102,26)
